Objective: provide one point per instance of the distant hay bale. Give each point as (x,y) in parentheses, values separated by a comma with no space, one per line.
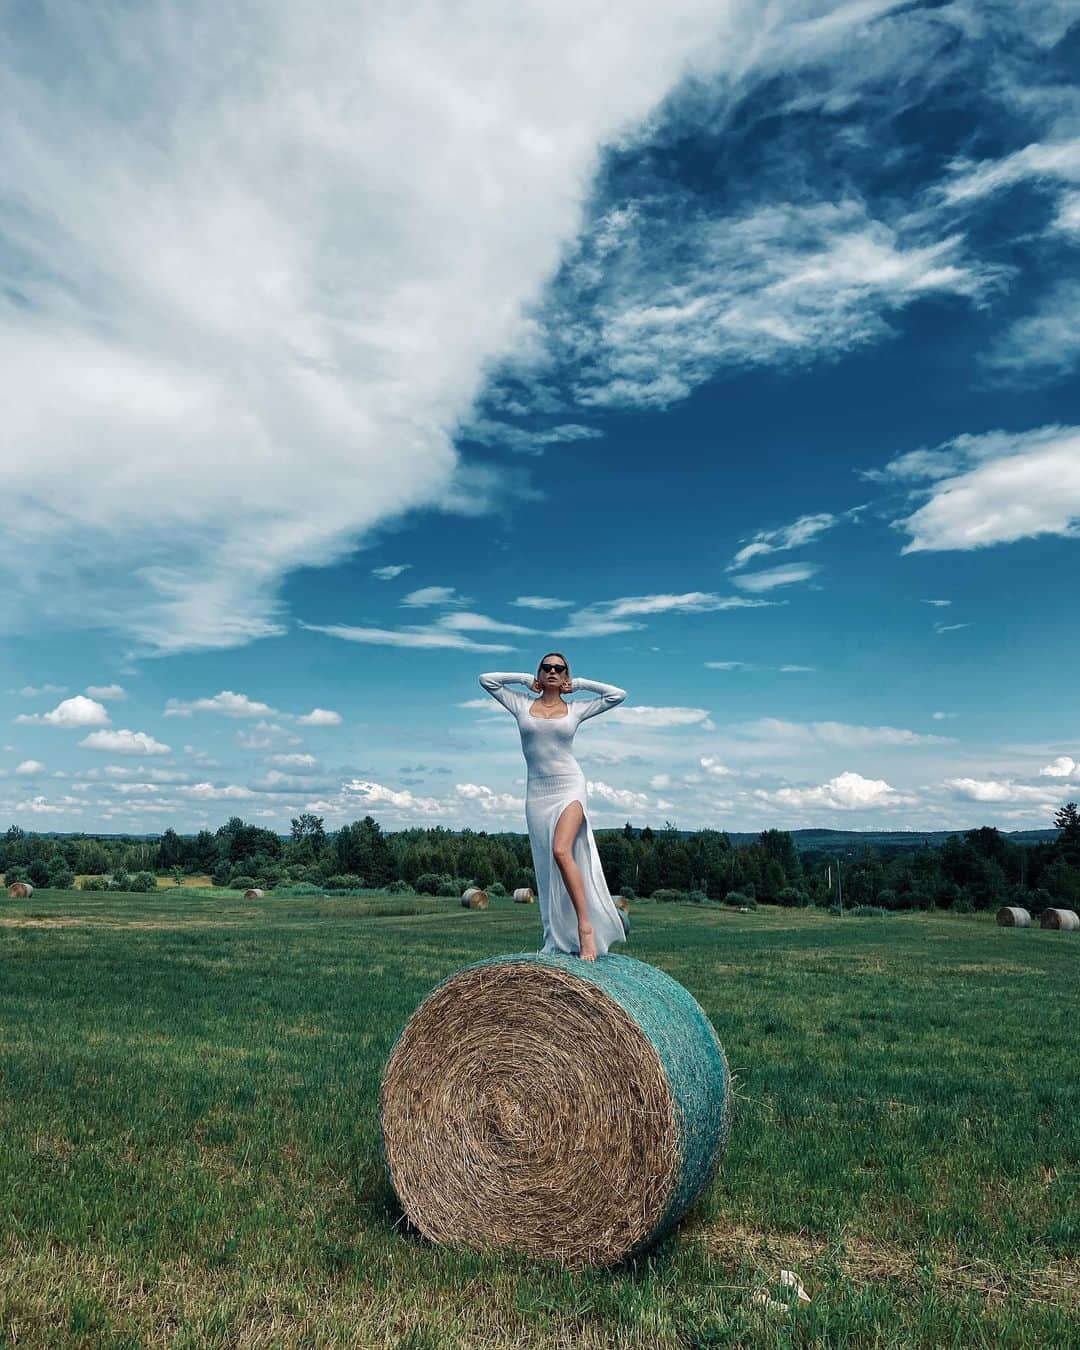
(622,903)
(566,1110)
(474,898)
(253,893)
(1067,920)
(20,890)
(524,895)
(1012,916)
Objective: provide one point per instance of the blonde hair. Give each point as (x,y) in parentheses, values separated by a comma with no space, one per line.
(562,658)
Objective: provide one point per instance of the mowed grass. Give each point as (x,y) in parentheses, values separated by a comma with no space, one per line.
(189,1144)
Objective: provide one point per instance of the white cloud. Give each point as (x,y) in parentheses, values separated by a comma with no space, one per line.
(728,665)
(623,798)
(106,691)
(227,703)
(942,716)
(479,623)
(786,575)
(207,792)
(797,670)
(993,790)
(940,604)
(435,595)
(846,792)
(606,617)
(843,735)
(1041,346)
(263,736)
(660,782)
(296,761)
(287,267)
(41,806)
(30,766)
(799,532)
(390,571)
(35,691)
(950,627)
(541,602)
(1062,767)
(376,794)
(641,715)
(1052,164)
(409,636)
(124,743)
(994,489)
(320,717)
(714,768)
(489,800)
(77,711)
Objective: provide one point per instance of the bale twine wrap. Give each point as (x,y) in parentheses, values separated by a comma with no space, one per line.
(524,895)
(1012,916)
(558,1108)
(1065,919)
(254,893)
(20,890)
(474,898)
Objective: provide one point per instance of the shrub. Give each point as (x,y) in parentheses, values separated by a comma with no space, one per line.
(792,896)
(38,873)
(869,912)
(740,900)
(241,883)
(220,875)
(697,897)
(94,884)
(399,887)
(345,881)
(144,881)
(496,888)
(62,879)
(120,881)
(628,893)
(300,888)
(667,895)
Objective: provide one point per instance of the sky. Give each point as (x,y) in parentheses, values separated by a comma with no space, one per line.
(350,352)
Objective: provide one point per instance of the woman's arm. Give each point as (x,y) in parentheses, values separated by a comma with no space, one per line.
(494,682)
(610,696)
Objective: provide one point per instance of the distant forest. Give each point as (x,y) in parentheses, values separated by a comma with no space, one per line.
(976,870)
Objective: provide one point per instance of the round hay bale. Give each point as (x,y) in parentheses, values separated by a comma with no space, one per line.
(1067,920)
(524,895)
(474,898)
(562,1109)
(253,893)
(1012,916)
(622,903)
(20,890)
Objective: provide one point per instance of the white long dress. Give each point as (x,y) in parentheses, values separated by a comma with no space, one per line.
(555,779)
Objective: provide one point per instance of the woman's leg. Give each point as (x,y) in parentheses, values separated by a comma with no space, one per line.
(562,847)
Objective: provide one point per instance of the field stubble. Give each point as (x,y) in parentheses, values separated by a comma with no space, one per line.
(189,1148)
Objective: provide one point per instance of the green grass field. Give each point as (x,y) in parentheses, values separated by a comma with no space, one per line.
(189,1156)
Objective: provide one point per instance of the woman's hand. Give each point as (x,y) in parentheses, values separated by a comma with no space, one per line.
(535,687)
(566,688)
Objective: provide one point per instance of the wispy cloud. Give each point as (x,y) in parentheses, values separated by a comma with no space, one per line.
(415,636)
(939,604)
(479,623)
(435,595)
(802,531)
(950,627)
(541,602)
(390,571)
(641,715)
(1041,346)
(524,440)
(106,692)
(605,617)
(786,575)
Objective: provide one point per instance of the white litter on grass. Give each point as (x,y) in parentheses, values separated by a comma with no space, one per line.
(793,1288)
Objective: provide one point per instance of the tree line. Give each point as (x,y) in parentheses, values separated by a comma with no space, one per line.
(978,869)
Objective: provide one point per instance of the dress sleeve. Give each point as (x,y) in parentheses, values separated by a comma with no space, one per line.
(494,683)
(610,697)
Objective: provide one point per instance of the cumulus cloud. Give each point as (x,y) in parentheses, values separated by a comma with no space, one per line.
(226,703)
(994,489)
(320,717)
(994,790)
(286,264)
(29,767)
(124,743)
(263,736)
(714,768)
(209,792)
(846,792)
(376,794)
(78,711)
(623,798)
(489,800)
(1062,767)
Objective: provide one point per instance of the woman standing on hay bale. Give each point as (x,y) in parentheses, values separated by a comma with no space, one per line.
(576,908)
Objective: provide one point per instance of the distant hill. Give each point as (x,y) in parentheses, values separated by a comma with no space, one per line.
(809,841)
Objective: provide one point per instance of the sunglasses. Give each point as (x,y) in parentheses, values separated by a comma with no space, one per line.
(550,668)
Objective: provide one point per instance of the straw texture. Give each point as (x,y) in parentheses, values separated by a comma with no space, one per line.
(1012,916)
(524,895)
(562,1109)
(1065,919)
(253,893)
(20,890)
(474,898)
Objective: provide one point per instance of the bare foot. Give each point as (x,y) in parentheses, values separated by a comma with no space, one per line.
(587,942)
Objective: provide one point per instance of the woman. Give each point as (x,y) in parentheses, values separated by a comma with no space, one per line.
(576,907)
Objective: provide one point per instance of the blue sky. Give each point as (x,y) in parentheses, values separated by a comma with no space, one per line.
(350,355)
